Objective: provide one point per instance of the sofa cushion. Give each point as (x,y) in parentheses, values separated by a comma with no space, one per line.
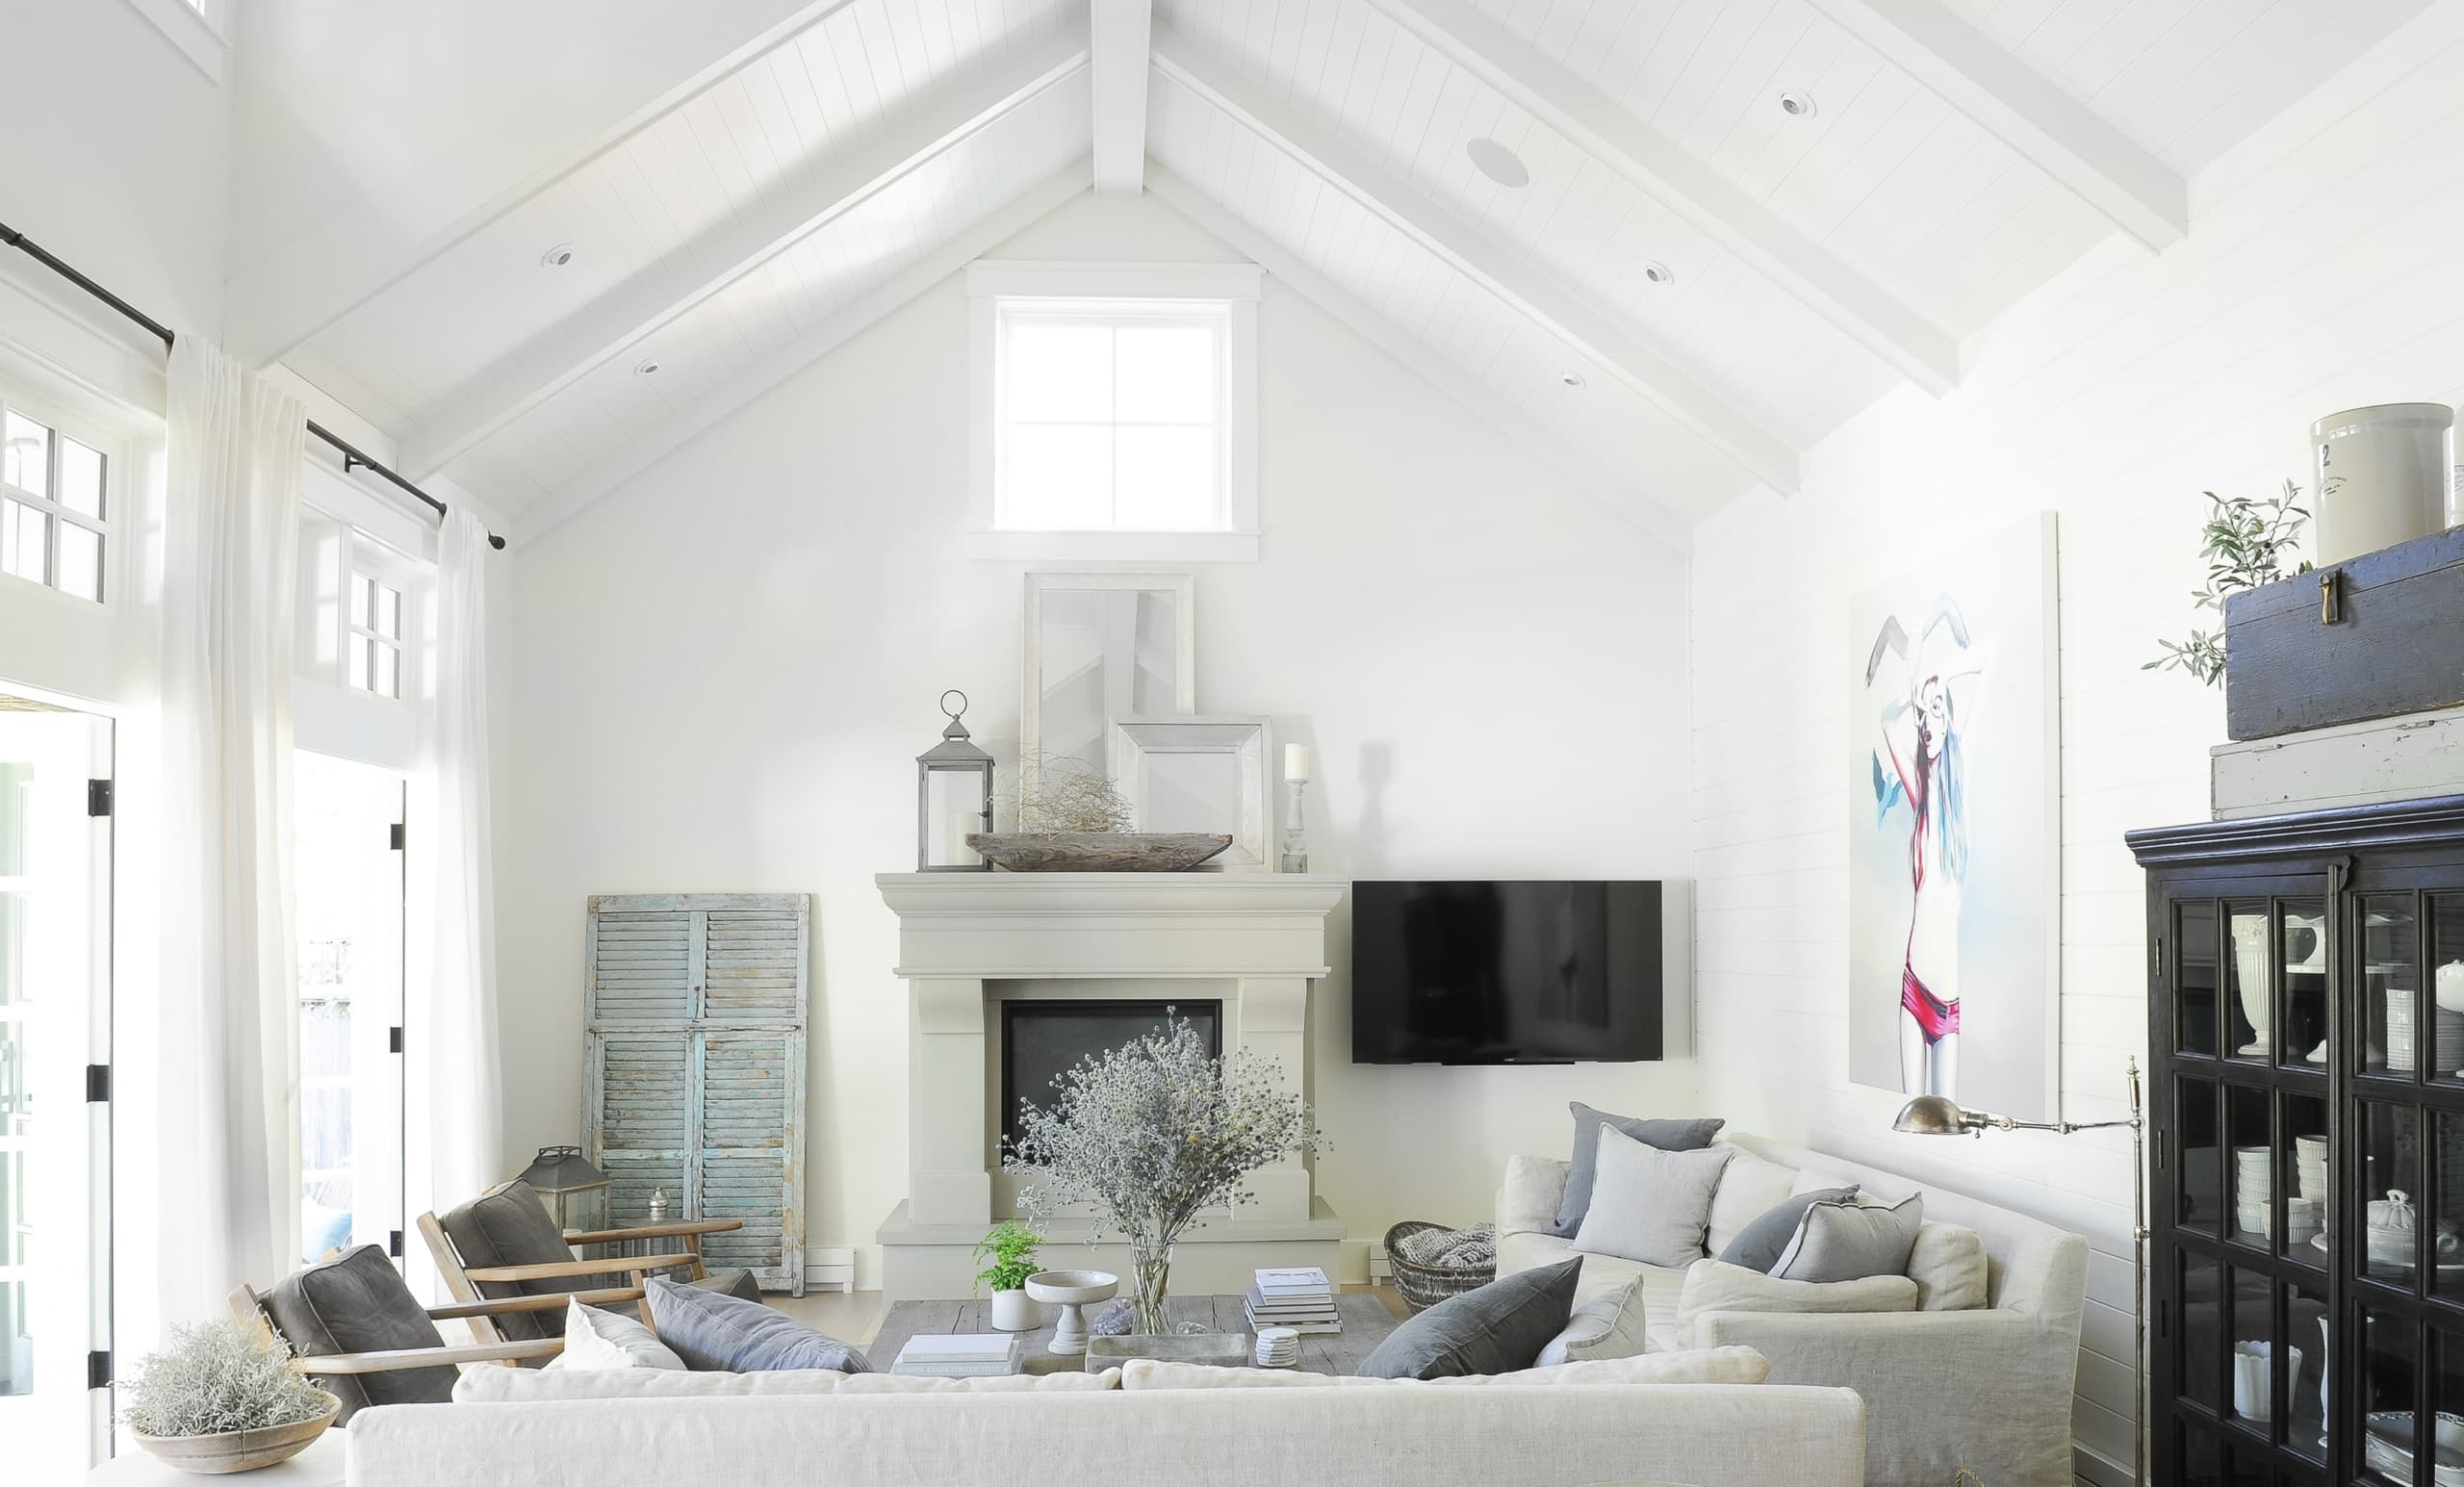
(358,1303)
(1499,1328)
(1650,1205)
(597,1340)
(1666,1134)
(1710,1366)
(1749,1185)
(1714,1286)
(1948,1265)
(1849,1241)
(1760,1244)
(711,1332)
(523,1386)
(1615,1325)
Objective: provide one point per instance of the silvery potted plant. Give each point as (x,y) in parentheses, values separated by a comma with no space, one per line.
(1008,1253)
(217,1400)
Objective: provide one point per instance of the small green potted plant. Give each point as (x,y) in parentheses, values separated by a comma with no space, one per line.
(216,1401)
(1008,1255)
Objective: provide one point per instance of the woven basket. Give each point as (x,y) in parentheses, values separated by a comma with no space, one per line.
(1424,1285)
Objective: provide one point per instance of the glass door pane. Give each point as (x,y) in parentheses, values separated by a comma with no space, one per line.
(349,891)
(2445,958)
(2301,939)
(54,1020)
(2394,1040)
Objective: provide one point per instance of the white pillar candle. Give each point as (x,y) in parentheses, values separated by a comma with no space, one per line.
(1295,761)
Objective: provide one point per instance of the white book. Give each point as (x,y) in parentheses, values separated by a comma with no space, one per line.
(1306,1277)
(958,1347)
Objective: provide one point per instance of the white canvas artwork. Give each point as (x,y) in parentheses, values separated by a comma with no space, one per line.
(1955,838)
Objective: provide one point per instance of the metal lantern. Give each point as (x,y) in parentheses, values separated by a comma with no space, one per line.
(953,797)
(575,1191)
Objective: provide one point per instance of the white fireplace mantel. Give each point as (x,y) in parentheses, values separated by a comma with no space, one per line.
(1256,940)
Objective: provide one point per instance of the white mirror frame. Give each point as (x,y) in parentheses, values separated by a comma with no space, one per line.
(1182,587)
(1249,741)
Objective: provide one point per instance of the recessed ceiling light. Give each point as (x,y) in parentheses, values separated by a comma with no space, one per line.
(1497,163)
(557,257)
(1570,378)
(1797,103)
(646,366)
(1658,272)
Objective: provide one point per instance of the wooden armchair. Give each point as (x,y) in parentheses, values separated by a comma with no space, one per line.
(504,1245)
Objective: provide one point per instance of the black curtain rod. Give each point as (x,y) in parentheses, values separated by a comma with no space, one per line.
(352,459)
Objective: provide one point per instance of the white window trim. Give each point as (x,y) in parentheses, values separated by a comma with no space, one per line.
(196,30)
(1238,284)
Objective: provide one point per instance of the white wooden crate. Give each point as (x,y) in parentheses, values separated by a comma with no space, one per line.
(2410,758)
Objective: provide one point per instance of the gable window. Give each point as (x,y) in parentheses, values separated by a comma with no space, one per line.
(1116,425)
(375,640)
(53,493)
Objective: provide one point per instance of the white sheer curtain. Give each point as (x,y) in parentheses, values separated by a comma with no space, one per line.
(457,1128)
(227,1133)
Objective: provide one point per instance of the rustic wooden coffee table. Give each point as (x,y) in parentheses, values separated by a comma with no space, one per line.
(1365,1318)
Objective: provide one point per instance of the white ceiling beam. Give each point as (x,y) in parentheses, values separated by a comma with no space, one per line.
(298,289)
(1564,316)
(1119,33)
(858,315)
(1658,514)
(1981,78)
(1659,167)
(773,222)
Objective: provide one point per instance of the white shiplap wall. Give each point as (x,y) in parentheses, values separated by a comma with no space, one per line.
(2321,272)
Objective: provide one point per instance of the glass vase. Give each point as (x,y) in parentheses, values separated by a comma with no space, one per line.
(1150,1264)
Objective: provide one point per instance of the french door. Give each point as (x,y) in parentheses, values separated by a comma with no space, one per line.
(54,1115)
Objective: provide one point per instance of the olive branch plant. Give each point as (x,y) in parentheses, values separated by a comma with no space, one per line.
(2244,543)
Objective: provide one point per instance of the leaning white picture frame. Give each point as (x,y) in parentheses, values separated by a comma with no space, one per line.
(1201,774)
(1122,667)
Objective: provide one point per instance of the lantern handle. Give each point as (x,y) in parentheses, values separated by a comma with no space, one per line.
(946,704)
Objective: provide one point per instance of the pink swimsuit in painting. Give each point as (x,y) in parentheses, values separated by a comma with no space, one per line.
(1935,1017)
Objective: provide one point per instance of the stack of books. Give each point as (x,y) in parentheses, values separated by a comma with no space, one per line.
(961,1355)
(1300,1299)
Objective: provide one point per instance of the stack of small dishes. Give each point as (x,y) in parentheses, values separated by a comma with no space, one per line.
(2399,1031)
(2253,1184)
(2447,1032)
(1278,1348)
(2304,1220)
(2310,1168)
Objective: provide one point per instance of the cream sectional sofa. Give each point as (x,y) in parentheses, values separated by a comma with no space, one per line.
(1988,1388)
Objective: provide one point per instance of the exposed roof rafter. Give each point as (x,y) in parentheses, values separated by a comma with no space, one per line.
(1656,165)
(1755,449)
(1120,32)
(660,440)
(1975,74)
(772,223)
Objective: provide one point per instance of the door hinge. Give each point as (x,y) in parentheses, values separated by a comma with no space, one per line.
(394,1243)
(393,1039)
(98,797)
(98,1369)
(98,1084)
(394,837)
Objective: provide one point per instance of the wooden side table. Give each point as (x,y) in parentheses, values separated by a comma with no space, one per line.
(320,1465)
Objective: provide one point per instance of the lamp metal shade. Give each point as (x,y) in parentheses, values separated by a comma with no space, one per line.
(1931,1114)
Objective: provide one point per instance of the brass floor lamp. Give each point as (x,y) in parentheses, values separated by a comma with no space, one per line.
(1932,1115)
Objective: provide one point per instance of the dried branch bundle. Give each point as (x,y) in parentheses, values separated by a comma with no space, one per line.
(1060,792)
(214,1378)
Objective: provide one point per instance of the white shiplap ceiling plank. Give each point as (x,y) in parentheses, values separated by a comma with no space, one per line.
(1711,418)
(1117,42)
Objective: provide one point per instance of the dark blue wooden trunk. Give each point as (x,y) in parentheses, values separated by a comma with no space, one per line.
(2375,637)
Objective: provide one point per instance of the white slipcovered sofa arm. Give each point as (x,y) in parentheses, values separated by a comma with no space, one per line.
(1528,1200)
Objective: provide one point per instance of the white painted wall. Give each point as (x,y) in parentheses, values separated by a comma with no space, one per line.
(2320,273)
(728,666)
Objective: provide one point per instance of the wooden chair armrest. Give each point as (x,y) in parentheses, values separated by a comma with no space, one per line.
(566,1269)
(652,1231)
(538,1303)
(396,1358)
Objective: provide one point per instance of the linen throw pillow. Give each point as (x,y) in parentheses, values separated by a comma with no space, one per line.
(1609,1326)
(1666,1134)
(597,1341)
(1499,1328)
(1749,1185)
(1715,1286)
(1851,1240)
(1651,1205)
(1949,1268)
(1757,1245)
(714,1332)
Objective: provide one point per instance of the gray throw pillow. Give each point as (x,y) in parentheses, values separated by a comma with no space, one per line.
(714,1333)
(1852,1240)
(1499,1328)
(1757,1245)
(1666,1134)
(1651,1205)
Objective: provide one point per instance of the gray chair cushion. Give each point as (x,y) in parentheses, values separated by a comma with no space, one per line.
(1852,1240)
(1757,1245)
(508,1225)
(715,1333)
(1499,1328)
(1666,1134)
(355,1303)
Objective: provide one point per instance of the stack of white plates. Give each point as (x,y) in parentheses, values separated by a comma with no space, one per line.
(2253,1184)
(1278,1348)
(2399,1032)
(2447,1029)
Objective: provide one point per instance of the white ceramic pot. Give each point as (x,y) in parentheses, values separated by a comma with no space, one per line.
(2250,965)
(2381,477)
(2254,1394)
(1016,1311)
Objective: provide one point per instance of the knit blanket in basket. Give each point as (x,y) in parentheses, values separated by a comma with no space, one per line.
(1474,1248)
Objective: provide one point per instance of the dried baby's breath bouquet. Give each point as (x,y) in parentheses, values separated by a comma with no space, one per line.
(1060,792)
(1152,1133)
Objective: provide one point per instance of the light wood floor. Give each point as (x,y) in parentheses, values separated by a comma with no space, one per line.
(856,1315)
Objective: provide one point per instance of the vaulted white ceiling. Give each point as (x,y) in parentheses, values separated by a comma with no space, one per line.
(1693,284)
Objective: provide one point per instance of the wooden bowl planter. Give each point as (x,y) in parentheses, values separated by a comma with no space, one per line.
(239,1451)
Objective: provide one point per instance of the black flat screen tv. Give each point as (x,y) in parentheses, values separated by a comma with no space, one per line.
(1505,972)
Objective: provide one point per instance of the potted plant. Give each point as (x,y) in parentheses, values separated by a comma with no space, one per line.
(1008,1253)
(217,1400)
(1152,1134)
(2244,542)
